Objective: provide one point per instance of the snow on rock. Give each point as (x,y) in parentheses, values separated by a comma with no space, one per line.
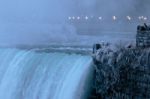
(117,69)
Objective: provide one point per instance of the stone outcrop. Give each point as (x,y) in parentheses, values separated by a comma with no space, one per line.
(122,74)
(143,36)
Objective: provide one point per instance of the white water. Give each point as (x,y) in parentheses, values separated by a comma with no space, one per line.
(33,75)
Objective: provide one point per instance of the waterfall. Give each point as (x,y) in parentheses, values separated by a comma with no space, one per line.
(27,74)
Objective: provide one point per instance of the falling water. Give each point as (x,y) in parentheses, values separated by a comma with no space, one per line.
(27,74)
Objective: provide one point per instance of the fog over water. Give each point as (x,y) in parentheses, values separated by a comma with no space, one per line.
(46,21)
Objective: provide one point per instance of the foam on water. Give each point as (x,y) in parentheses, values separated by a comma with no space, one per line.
(40,75)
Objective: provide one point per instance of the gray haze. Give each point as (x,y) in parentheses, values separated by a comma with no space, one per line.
(45,21)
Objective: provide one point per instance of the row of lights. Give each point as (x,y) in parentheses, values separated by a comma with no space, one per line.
(101,18)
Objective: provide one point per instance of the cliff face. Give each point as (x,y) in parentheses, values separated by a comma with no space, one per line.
(123,73)
(143,39)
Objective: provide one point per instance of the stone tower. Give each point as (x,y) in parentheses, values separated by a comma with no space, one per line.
(143,36)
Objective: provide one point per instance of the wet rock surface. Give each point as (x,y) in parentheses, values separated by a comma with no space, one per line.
(122,74)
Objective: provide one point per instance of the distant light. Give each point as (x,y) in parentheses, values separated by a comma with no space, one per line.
(100,18)
(69,18)
(114,18)
(145,18)
(73,17)
(78,18)
(86,18)
(129,18)
(140,17)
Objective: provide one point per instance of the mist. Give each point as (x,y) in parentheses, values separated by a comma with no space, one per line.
(46,21)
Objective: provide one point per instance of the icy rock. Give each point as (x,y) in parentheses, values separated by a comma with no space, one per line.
(124,72)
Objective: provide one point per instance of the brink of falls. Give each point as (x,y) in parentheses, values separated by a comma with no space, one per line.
(27,74)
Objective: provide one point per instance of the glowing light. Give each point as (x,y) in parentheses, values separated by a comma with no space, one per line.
(69,18)
(73,17)
(86,18)
(78,18)
(145,18)
(100,18)
(140,17)
(114,18)
(129,18)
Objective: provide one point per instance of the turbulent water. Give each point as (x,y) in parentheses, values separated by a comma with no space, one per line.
(27,74)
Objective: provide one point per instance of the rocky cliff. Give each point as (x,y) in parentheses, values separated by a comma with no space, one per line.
(123,73)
